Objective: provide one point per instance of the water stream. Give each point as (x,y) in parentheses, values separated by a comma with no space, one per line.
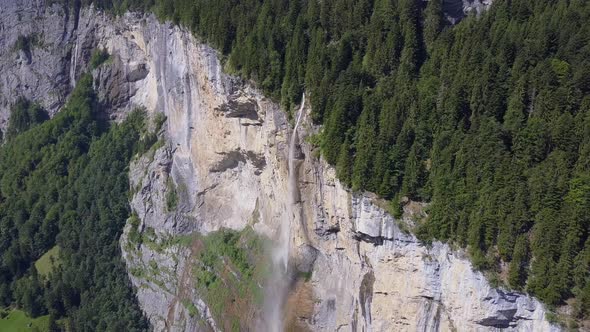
(287,225)
(73,65)
(277,288)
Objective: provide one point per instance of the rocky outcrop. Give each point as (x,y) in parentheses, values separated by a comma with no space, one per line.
(222,162)
(44,48)
(35,54)
(455,10)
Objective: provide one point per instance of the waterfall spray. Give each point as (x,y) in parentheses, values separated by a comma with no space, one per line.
(278,284)
(293,190)
(73,65)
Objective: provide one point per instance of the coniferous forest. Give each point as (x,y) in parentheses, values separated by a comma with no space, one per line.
(488,120)
(64,183)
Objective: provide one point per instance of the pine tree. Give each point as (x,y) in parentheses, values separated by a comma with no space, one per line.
(514,118)
(365,147)
(517,273)
(414,172)
(433,22)
(344,163)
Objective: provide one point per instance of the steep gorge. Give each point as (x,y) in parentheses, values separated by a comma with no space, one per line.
(224,154)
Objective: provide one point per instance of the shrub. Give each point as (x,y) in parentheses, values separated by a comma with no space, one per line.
(99,56)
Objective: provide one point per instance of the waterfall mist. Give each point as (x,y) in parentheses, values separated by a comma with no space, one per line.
(281,276)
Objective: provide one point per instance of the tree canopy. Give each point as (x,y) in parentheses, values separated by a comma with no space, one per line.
(489,120)
(64,183)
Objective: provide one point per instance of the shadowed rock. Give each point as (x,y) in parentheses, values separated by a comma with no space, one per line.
(239,106)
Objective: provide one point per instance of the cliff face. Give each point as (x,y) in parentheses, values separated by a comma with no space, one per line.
(39,67)
(222,162)
(455,10)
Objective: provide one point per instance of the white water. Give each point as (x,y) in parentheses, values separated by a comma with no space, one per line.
(73,65)
(277,287)
(286,226)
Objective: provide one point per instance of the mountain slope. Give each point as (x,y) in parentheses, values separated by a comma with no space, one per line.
(483,135)
(487,120)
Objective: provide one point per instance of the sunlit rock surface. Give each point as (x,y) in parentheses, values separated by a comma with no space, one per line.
(223,152)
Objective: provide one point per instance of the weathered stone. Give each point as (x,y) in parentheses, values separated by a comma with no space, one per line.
(455,10)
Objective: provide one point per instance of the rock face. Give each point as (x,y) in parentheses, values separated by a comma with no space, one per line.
(222,162)
(44,49)
(455,10)
(35,54)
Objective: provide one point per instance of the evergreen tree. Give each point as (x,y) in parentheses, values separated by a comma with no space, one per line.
(488,119)
(433,22)
(365,150)
(517,273)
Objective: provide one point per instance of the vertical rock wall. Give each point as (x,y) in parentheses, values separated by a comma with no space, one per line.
(223,155)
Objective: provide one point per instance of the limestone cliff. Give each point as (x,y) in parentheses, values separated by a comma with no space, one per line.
(455,10)
(222,162)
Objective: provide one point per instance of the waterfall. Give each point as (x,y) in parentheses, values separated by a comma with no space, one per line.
(277,288)
(292,189)
(73,65)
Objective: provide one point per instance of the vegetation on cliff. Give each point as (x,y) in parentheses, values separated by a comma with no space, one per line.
(63,190)
(488,120)
(230,268)
(23,116)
